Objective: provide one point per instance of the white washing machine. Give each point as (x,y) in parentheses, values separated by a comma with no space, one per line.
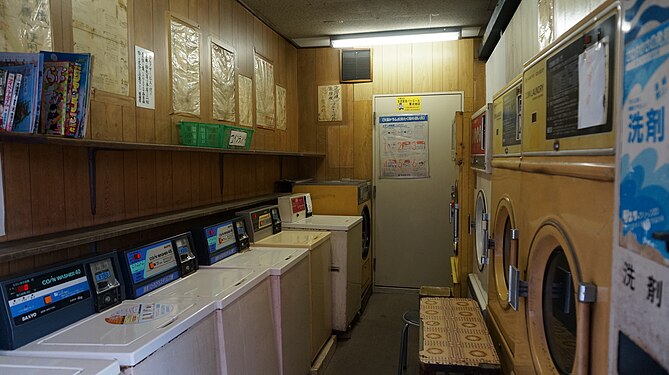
(152,334)
(242,299)
(289,280)
(319,246)
(57,366)
(481,155)
(346,238)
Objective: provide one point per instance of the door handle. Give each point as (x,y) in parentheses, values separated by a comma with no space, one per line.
(587,295)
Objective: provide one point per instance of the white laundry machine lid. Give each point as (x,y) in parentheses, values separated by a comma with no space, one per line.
(10,365)
(129,332)
(222,287)
(277,260)
(302,239)
(326,222)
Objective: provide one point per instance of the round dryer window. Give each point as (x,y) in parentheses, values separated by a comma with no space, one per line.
(481,231)
(559,311)
(506,248)
(557,324)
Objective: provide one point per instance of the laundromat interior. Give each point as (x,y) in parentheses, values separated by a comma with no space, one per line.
(251,187)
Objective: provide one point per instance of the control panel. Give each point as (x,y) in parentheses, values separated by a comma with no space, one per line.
(216,242)
(481,139)
(106,281)
(276,219)
(293,208)
(261,222)
(240,231)
(149,267)
(185,254)
(37,304)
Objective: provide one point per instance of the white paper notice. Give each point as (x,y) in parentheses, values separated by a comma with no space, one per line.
(592,84)
(2,202)
(404,146)
(144,78)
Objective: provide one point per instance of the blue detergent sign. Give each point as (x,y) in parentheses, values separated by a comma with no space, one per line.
(644,161)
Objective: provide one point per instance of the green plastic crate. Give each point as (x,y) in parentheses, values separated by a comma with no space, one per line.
(236,138)
(209,135)
(188,133)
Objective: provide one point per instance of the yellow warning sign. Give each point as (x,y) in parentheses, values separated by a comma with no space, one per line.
(408,103)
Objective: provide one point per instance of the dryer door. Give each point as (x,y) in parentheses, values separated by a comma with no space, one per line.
(558,305)
(505,252)
(481,231)
(366,231)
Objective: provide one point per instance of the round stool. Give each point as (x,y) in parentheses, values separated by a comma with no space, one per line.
(410,317)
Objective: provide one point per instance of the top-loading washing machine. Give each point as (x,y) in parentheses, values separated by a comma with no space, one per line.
(320,248)
(481,154)
(347,197)
(225,245)
(145,336)
(10,365)
(563,279)
(346,238)
(243,309)
(504,217)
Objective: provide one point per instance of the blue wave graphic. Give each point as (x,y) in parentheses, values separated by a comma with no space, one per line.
(631,11)
(652,13)
(644,198)
(641,76)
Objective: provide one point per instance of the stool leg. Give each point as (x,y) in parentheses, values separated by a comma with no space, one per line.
(403,349)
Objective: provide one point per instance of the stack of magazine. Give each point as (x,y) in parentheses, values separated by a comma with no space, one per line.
(46,92)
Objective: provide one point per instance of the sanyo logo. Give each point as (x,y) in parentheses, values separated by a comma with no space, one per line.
(28,317)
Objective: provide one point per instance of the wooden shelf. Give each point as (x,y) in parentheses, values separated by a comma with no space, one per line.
(129,146)
(26,247)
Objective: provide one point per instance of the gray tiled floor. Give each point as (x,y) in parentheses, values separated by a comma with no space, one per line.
(375,340)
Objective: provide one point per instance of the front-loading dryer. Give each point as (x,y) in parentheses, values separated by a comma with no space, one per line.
(504,218)
(563,281)
(481,152)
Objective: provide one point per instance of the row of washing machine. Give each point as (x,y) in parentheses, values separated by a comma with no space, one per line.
(206,301)
(543,205)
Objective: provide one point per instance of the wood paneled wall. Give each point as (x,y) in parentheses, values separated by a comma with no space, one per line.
(407,68)
(47,186)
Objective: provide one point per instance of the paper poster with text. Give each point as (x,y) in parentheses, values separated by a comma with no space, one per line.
(640,275)
(403,146)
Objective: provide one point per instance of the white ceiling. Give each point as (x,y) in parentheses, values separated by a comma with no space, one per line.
(297,19)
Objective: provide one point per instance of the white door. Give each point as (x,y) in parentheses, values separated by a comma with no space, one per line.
(414,239)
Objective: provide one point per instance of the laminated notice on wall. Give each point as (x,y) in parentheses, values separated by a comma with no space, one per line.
(329,103)
(640,273)
(403,146)
(101,28)
(264,79)
(26,26)
(592,86)
(280,108)
(185,56)
(223,83)
(245,101)
(144,78)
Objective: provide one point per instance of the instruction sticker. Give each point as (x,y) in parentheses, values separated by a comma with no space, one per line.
(408,103)
(139,313)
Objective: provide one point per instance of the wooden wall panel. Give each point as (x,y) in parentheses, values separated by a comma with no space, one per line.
(18,191)
(428,67)
(47,189)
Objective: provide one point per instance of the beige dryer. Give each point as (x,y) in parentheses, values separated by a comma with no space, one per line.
(566,200)
(481,152)
(505,217)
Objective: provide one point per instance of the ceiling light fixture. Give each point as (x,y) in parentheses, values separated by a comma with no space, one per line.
(395,37)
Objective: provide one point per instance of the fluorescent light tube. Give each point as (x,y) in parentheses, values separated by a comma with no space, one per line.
(368,40)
